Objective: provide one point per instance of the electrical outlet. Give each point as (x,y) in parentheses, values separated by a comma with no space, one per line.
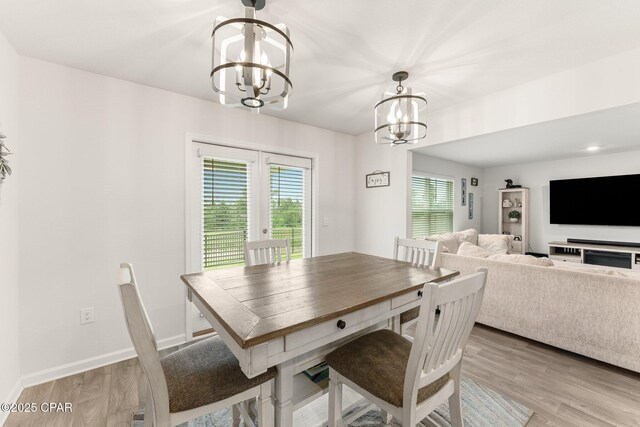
(86,315)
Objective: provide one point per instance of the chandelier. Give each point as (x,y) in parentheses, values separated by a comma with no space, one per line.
(401,117)
(250,60)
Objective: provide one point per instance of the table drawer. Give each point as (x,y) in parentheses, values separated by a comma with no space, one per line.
(406,299)
(351,322)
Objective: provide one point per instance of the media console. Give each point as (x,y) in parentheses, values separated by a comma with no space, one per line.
(609,254)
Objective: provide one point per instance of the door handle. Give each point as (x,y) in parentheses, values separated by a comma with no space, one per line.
(265,230)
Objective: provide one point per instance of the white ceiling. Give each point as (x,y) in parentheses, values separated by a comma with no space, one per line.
(612,130)
(345,51)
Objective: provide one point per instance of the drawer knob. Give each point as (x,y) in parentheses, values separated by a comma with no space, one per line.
(420,294)
(341,324)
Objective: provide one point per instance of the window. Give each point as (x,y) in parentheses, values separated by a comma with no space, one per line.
(431,206)
(225,212)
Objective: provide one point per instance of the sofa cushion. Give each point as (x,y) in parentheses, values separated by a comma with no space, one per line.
(496,243)
(468,249)
(522,259)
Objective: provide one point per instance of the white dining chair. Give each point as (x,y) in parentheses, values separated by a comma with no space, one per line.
(408,381)
(201,378)
(269,251)
(420,253)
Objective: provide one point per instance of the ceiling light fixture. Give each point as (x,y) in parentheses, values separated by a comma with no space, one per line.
(401,117)
(594,148)
(250,60)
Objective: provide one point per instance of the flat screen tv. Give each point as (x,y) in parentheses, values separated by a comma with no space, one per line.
(606,200)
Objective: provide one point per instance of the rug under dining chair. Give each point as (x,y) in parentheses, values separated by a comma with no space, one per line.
(481,407)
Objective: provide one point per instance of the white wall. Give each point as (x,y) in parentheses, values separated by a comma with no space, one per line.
(382,214)
(104,182)
(9,227)
(456,171)
(536,176)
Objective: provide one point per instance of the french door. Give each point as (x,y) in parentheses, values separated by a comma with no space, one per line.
(238,195)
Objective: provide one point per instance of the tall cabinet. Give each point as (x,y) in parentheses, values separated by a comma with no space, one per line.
(514,216)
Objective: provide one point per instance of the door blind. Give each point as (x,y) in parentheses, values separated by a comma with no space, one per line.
(225,212)
(286,206)
(431,206)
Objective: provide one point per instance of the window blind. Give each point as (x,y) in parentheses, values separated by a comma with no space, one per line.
(225,212)
(431,206)
(286,206)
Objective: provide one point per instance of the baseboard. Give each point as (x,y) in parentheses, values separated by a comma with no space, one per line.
(92,363)
(12,398)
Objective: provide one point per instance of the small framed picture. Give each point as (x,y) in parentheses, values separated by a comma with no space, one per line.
(378,179)
(470,205)
(463,191)
(474,182)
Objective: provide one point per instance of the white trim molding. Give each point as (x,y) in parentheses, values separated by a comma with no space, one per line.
(73,368)
(14,394)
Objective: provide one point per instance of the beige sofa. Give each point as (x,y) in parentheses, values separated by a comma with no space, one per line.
(596,315)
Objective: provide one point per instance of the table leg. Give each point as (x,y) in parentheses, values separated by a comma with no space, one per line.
(395,324)
(284,395)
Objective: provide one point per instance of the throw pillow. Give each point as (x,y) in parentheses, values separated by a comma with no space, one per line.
(469,249)
(470,235)
(522,259)
(449,242)
(496,243)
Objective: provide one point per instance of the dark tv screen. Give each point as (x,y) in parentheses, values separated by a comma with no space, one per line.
(595,201)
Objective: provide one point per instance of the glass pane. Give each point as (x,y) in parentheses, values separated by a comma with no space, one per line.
(225,208)
(287,206)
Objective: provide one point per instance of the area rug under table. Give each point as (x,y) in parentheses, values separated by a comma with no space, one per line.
(481,407)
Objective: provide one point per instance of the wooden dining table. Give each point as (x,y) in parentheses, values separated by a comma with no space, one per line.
(290,315)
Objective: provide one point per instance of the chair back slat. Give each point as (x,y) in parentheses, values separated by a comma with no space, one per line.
(420,253)
(440,339)
(270,251)
(144,341)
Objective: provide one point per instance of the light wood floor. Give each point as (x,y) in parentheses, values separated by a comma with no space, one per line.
(562,388)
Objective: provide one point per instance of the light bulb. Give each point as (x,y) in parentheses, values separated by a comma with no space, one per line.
(239,69)
(394,113)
